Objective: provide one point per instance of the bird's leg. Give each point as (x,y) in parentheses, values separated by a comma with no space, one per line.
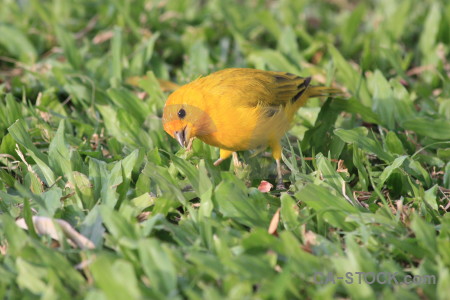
(280,184)
(224,154)
(236,162)
(276,153)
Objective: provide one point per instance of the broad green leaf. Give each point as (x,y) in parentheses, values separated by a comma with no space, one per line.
(382,101)
(371,219)
(59,155)
(6,178)
(355,107)
(359,160)
(123,231)
(151,85)
(71,51)
(206,192)
(142,57)
(232,200)
(447,176)
(329,173)
(397,163)
(125,168)
(333,209)
(116,56)
(124,125)
(430,30)
(444,276)
(83,188)
(19,133)
(425,233)
(288,45)
(157,264)
(268,20)
(289,212)
(92,226)
(47,202)
(142,202)
(196,176)
(116,278)
(349,29)
(171,195)
(208,263)
(199,58)
(274,60)
(61,272)
(17,44)
(325,122)
(353,81)
(31,277)
(358,137)
(357,259)
(438,129)
(444,154)
(10,110)
(394,144)
(33,182)
(104,181)
(16,237)
(130,103)
(414,168)
(431,196)
(305,264)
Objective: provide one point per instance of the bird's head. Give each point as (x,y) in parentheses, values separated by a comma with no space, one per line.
(184,117)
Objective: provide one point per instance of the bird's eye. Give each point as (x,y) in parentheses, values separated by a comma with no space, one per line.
(181,113)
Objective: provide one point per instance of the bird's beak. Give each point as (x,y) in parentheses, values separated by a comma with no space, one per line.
(183,137)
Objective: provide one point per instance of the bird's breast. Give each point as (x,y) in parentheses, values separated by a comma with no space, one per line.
(245,128)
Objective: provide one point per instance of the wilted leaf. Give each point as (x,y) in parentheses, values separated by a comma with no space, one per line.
(44,225)
(274,223)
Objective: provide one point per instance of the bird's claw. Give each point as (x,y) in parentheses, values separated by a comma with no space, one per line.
(280,185)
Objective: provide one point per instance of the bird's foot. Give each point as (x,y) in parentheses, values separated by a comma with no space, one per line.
(236,162)
(218,162)
(280,185)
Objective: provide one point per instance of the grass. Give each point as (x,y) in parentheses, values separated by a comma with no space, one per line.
(81,140)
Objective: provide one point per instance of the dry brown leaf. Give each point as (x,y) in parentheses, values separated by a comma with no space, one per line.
(103,37)
(309,239)
(29,168)
(341,167)
(274,223)
(4,248)
(45,225)
(167,86)
(134,80)
(143,216)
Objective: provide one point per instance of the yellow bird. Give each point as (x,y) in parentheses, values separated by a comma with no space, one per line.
(239,109)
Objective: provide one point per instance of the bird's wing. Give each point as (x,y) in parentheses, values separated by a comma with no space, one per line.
(251,87)
(286,88)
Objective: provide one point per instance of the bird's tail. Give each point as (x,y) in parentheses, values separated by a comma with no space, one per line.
(316,91)
(323,91)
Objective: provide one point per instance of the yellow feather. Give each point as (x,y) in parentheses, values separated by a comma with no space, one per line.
(239,109)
